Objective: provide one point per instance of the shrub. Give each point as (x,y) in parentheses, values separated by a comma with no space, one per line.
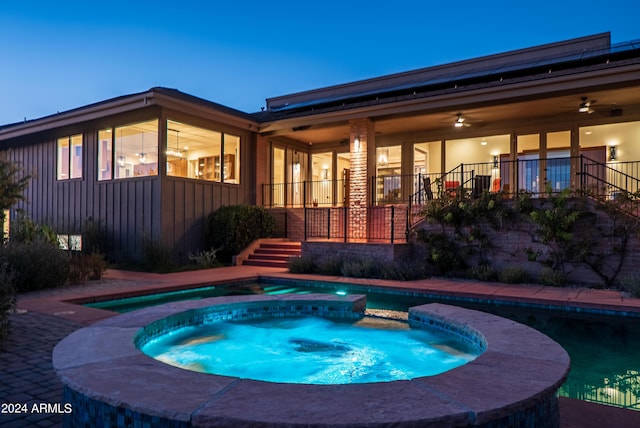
(330,266)
(24,230)
(95,238)
(7,300)
(204,259)
(231,229)
(36,264)
(514,275)
(403,270)
(302,265)
(156,258)
(361,268)
(553,278)
(483,272)
(83,267)
(631,284)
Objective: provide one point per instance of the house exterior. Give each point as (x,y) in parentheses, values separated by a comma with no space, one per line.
(348,162)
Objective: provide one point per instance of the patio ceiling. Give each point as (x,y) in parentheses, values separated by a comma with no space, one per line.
(480,116)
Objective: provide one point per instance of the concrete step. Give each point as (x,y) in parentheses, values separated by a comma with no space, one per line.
(270,256)
(291,252)
(274,254)
(265,263)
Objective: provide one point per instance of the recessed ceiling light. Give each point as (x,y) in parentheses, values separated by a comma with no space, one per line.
(483,142)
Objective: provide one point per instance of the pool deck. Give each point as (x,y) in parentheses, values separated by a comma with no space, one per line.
(59,307)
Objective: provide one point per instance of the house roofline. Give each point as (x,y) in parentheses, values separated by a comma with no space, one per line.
(164,97)
(452,100)
(483,64)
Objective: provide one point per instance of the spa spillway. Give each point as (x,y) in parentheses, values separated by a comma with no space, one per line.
(110,381)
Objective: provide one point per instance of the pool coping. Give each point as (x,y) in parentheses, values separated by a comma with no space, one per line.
(520,368)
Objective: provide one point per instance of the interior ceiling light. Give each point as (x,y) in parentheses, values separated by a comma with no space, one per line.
(483,142)
(585,106)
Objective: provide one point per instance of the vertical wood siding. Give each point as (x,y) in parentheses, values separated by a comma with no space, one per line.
(187,204)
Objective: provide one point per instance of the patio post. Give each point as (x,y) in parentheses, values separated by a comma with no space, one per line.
(362,148)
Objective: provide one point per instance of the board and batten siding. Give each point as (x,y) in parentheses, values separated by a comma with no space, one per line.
(126,209)
(186,206)
(170,211)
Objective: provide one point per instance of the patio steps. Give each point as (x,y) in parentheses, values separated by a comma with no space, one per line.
(274,254)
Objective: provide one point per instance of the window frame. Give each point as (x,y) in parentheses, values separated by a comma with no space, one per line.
(66,171)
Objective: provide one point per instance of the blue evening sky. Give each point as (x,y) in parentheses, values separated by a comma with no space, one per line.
(59,55)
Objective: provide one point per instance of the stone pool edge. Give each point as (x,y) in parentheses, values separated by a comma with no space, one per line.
(102,364)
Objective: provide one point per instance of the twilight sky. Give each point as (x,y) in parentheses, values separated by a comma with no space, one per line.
(55,56)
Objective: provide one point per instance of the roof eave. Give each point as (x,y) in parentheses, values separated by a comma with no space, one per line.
(534,89)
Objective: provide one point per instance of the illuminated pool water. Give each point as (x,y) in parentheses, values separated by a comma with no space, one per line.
(312,350)
(109,381)
(604,350)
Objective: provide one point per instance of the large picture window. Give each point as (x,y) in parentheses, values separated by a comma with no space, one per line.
(69,157)
(199,153)
(128,151)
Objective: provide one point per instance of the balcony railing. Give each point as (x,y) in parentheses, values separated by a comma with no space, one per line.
(535,176)
(322,193)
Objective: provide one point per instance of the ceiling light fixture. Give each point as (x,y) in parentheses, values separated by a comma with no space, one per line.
(459,121)
(585,106)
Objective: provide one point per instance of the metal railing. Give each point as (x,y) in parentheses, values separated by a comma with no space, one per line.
(384,224)
(328,199)
(306,193)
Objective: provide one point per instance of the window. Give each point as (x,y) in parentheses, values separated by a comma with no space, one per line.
(128,151)
(199,153)
(70,242)
(6,225)
(105,154)
(388,171)
(70,157)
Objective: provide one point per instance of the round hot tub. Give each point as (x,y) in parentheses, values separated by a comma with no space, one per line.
(110,381)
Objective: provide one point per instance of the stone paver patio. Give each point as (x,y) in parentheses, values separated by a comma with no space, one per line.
(45,318)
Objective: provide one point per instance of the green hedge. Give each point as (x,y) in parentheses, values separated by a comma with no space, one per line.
(230,229)
(7,300)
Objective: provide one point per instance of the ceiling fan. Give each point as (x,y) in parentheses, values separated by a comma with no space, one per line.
(585,105)
(460,121)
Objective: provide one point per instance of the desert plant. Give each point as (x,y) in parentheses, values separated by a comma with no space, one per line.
(332,265)
(7,300)
(513,275)
(83,267)
(554,278)
(302,264)
(361,268)
(483,272)
(204,259)
(631,284)
(403,270)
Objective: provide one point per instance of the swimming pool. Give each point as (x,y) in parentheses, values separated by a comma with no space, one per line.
(604,351)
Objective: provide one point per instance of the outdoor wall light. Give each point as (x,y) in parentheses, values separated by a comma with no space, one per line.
(612,152)
(356,144)
(495,162)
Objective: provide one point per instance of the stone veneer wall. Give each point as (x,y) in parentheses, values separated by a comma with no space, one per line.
(509,247)
(322,251)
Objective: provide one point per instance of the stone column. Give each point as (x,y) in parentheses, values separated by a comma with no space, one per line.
(362,146)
